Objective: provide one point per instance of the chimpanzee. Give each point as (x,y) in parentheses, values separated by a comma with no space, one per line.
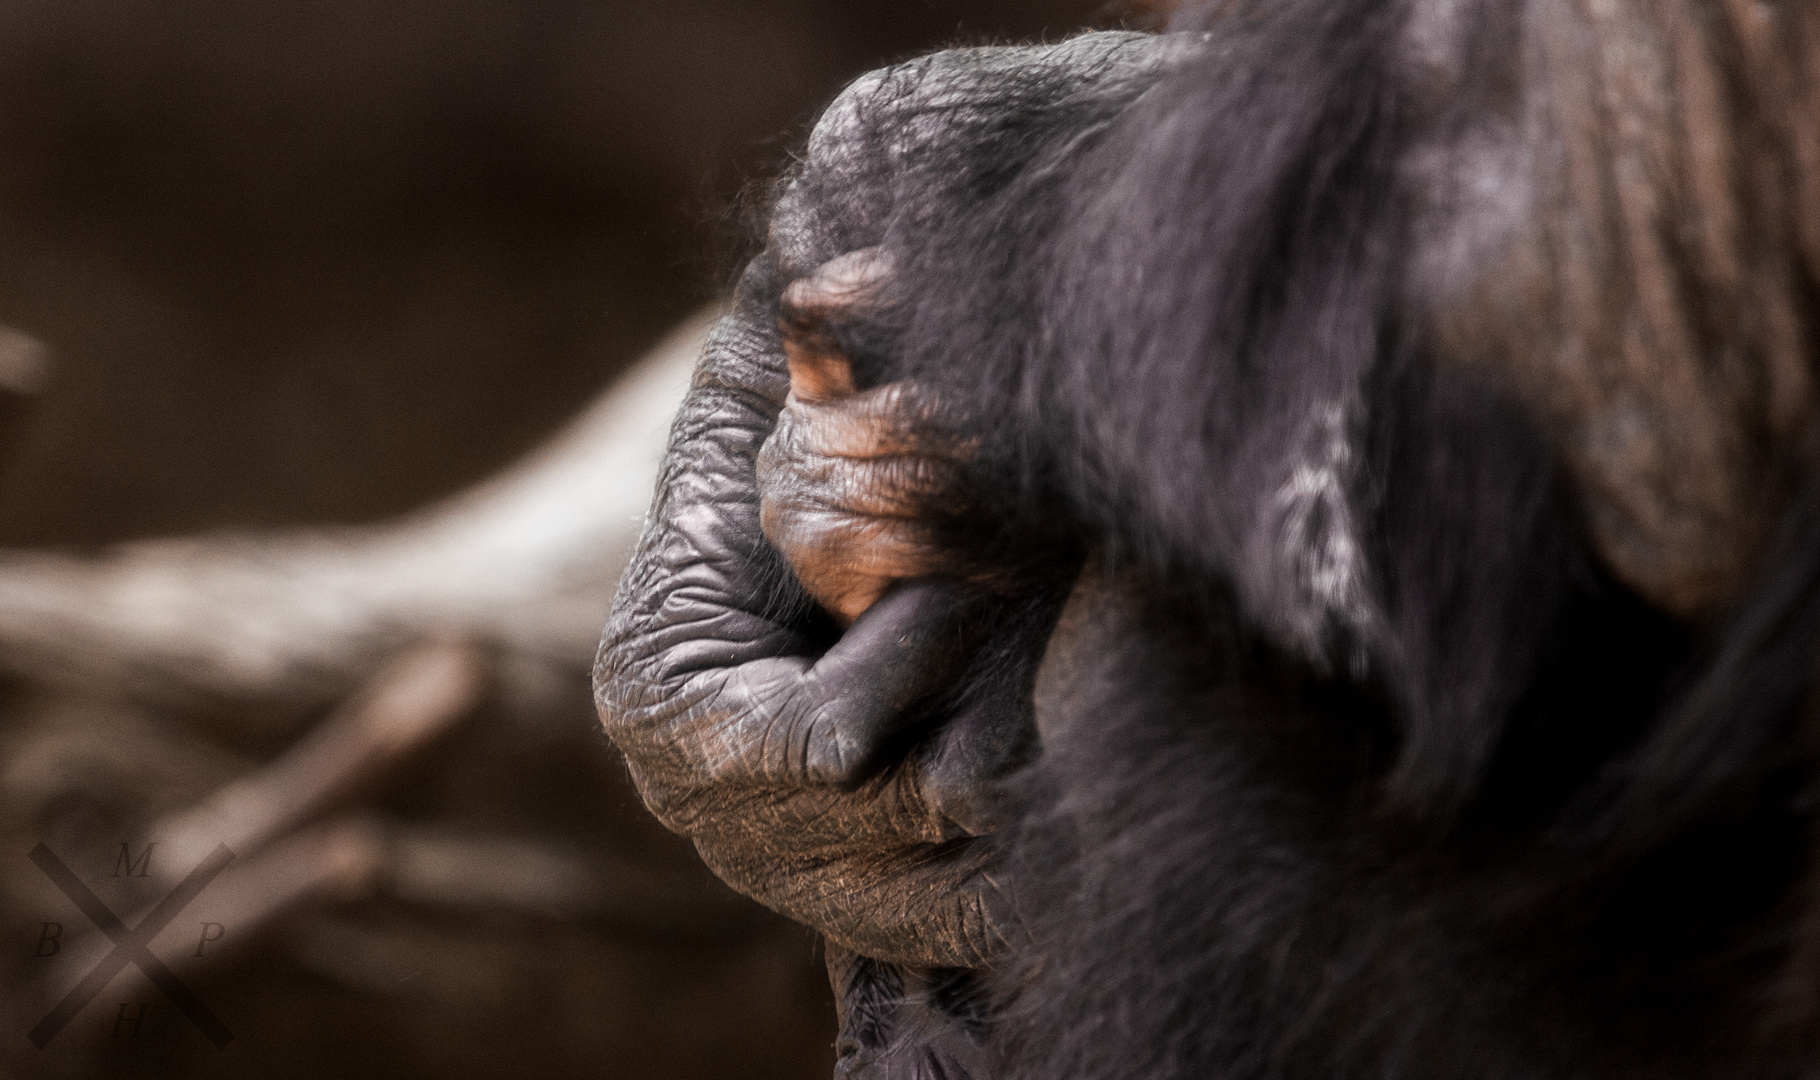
(1287,547)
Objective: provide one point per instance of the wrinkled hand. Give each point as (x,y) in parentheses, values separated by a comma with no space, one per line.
(836,777)
(851,482)
(748,731)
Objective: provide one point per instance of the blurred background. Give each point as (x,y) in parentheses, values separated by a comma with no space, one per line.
(324,430)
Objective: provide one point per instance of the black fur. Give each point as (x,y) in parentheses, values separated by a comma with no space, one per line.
(1365,765)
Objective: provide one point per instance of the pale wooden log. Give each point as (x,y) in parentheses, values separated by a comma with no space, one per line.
(24,362)
(524,563)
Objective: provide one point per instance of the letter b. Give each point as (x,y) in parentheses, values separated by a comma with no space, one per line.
(51,935)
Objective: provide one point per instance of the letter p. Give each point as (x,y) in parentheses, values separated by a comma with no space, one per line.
(210,932)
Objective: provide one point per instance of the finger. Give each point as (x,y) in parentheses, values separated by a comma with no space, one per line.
(846,561)
(809,308)
(902,417)
(823,456)
(827,545)
(895,487)
(902,652)
(818,371)
(828,724)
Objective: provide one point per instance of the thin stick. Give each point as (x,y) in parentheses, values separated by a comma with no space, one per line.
(406,705)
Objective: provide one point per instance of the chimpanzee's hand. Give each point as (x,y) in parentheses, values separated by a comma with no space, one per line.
(843,779)
(760,736)
(852,483)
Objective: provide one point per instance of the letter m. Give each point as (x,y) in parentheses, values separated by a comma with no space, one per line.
(126,864)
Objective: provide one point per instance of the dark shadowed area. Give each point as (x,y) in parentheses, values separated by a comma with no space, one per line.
(282,283)
(306,262)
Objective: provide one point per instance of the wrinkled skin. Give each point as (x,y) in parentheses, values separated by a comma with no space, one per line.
(1435,671)
(850,480)
(771,757)
(788,751)
(747,732)
(836,776)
